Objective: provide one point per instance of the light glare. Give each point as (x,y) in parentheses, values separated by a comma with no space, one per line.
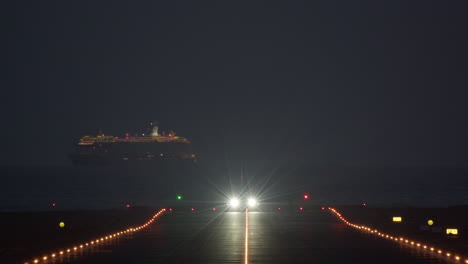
(234,202)
(251,202)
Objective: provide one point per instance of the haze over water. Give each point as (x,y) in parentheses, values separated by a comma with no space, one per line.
(37,187)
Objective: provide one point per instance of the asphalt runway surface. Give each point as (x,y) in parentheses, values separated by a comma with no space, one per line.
(253,237)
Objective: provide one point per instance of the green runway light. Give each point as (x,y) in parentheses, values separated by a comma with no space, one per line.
(179,197)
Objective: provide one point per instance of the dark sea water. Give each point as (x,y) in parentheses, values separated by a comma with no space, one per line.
(37,187)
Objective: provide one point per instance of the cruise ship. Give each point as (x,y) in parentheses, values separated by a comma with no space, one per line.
(151,148)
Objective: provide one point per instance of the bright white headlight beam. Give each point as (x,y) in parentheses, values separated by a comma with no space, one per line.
(251,202)
(234,202)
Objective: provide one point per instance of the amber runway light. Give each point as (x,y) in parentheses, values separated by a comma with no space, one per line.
(96,241)
(435,251)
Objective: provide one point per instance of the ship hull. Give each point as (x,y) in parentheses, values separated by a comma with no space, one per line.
(93,160)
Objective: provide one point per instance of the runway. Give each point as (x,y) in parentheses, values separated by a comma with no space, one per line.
(249,237)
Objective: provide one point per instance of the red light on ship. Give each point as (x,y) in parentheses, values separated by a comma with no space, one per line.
(301,208)
(53,204)
(128,206)
(170,209)
(364,204)
(214,208)
(192,209)
(306,196)
(279,208)
(323,208)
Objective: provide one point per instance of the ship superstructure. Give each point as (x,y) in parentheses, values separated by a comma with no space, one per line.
(106,149)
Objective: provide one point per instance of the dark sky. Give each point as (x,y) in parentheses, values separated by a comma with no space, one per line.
(317,82)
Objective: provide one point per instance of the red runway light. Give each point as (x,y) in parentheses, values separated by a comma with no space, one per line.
(214,208)
(53,204)
(364,204)
(170,209)
(192,209)
(301,208)
(323,208)
(306,196)
(279,208)
(128,206)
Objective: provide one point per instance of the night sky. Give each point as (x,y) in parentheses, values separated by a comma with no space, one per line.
(321,83)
